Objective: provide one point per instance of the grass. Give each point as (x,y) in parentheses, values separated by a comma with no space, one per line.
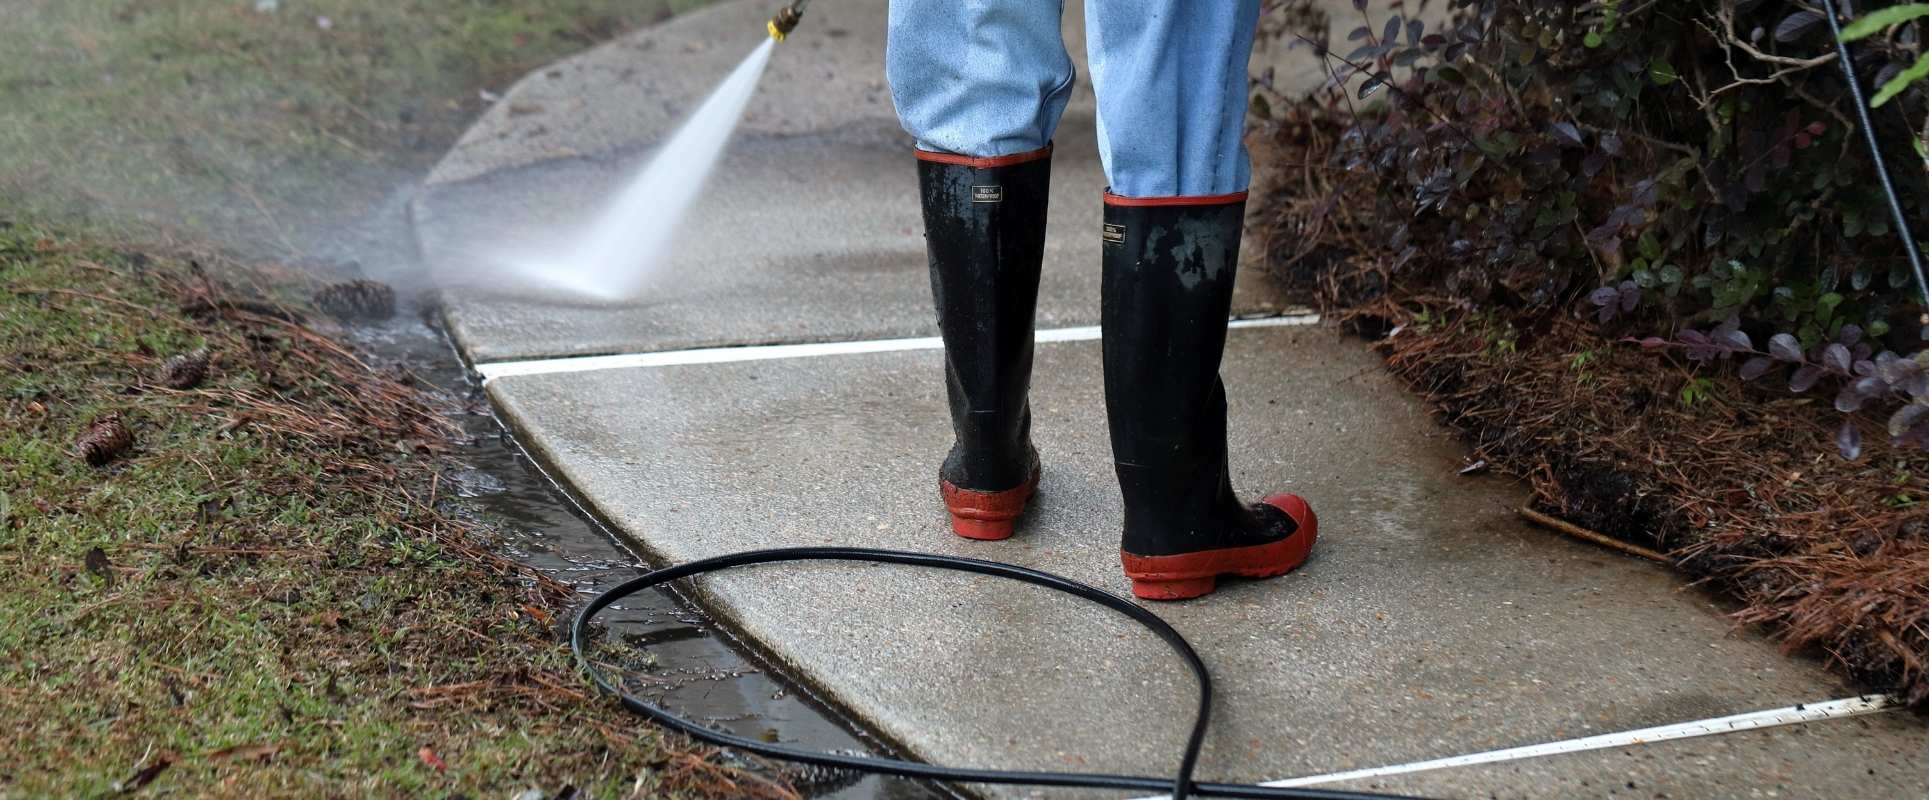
(207,120)
(259,598)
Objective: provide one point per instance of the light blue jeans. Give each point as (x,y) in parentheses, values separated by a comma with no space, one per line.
(991,77)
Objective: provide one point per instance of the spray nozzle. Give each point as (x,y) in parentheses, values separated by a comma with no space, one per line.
(787,19)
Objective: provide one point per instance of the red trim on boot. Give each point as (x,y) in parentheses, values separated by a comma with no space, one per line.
(985,162)
(987,516)
(1198,200)
(1189,575)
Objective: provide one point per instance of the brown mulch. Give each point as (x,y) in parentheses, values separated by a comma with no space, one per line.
(1740,485)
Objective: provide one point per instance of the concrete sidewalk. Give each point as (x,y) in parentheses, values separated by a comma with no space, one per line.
(1429,623)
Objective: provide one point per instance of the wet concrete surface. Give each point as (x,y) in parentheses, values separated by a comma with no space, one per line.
(1430,622)
(688,664)
(1867,757)
(808,231)
(634,90)
(816,238)
(827,78)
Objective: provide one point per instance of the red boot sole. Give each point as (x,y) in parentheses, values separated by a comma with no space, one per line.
(987,516)
(1190,575)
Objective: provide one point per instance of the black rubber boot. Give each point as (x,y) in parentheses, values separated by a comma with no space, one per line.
(984,227)
(1169,267)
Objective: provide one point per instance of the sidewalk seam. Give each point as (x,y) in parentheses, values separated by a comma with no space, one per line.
(1755,720)
(493,370)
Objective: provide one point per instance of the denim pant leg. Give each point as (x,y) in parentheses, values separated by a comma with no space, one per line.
(1171,81)
(978,77)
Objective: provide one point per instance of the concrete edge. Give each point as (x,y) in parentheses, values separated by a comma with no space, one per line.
(757,652)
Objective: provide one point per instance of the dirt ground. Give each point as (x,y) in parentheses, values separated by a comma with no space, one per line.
(1738,484)
(227,574)
(246,589)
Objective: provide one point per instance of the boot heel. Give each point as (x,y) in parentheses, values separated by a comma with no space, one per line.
(984,530)
(987,516)
(1174,589)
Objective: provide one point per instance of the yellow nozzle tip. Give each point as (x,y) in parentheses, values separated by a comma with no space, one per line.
(775,33)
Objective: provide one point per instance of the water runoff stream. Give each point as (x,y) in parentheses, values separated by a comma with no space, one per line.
(694,666)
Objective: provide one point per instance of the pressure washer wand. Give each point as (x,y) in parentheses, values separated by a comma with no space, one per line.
(786,20)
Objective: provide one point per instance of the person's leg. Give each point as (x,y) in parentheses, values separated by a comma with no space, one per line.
(1171,82)
(981,85)
(978,78)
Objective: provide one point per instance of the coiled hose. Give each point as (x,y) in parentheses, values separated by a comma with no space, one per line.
(1180,785)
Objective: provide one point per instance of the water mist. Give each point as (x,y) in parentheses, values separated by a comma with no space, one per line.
(627,244)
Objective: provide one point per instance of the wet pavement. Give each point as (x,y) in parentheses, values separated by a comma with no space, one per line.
(690,664)
(773,279)
(1431,621)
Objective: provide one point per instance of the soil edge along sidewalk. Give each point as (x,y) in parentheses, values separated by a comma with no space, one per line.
(227,575)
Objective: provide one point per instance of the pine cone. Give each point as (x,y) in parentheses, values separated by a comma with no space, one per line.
(107,438)
(186,370)
(357,299)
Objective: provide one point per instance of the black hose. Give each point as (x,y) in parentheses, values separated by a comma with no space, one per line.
(1180,786)
(1909,245)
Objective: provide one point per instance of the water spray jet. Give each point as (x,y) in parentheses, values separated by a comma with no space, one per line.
(618,255)
(615,258)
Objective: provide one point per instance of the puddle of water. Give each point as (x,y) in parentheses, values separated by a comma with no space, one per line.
(693,667)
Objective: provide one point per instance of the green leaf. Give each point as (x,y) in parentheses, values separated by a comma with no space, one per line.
(1593,39)
(1662,72)
(1650,246)
(1897,84)
(1876,21)
(1829,301)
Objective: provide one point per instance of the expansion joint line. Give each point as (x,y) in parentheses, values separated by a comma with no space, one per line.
(724,355)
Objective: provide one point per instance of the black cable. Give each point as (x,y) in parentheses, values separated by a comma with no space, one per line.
(1179,786)
(1909,245)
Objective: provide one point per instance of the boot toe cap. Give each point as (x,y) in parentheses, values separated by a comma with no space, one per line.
(1296,507)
